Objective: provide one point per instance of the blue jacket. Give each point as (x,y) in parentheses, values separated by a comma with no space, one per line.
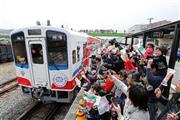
(154,80)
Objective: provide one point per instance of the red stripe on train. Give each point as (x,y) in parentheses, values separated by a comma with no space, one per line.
(69,85)
(90,41)
(23,81)
(85,62)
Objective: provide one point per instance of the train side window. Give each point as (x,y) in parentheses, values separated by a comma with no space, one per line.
(84,50)
(74,56)
(78,54)
(37,53)
(136,41)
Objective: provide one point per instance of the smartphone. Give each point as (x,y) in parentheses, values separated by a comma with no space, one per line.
(114,102)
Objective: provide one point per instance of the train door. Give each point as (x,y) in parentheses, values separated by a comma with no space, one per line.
(39,69)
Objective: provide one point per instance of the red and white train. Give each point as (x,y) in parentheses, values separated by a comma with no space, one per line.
(48,60)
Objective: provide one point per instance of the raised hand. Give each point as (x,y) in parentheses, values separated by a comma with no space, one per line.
(158,92)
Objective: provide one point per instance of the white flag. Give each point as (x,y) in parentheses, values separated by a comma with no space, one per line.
(170,72)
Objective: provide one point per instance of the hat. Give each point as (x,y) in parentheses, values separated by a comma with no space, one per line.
(93,56)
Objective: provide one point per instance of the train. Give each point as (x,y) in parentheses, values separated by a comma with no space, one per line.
(5,51)
(48,60)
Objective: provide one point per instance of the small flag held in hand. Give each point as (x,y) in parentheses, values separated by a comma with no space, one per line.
(170,72)
(141,50)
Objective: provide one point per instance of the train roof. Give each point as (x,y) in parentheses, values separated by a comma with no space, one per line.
(51,28)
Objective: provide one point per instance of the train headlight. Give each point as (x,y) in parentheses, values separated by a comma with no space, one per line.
(60,80)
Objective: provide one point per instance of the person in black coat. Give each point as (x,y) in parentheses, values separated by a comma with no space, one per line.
(160,62)
(118,63)
(172,109)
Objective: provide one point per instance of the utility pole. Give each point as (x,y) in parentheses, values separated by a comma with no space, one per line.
(150,19)
(48,23)
(38,23)
(124,32)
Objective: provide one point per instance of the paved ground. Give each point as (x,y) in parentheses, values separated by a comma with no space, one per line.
(7,71)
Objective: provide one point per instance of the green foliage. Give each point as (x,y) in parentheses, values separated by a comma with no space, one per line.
(3,37)
(106,34)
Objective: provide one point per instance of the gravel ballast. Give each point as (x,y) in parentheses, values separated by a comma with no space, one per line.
(14,104)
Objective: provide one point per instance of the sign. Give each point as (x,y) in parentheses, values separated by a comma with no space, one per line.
(103,105)
(60,80)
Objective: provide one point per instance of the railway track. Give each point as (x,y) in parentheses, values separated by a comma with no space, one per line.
(40,111)
(8,86)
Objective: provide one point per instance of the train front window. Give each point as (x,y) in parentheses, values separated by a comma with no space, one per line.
(57,48)
(37,53)
(19,48)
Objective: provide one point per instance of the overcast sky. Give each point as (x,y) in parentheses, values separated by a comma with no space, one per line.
(86,14)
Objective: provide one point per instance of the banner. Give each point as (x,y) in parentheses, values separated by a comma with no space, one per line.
(103,105)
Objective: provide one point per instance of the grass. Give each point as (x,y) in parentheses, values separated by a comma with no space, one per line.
(106,34)
(4,37)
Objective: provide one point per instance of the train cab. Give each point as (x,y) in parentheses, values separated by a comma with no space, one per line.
(49,59)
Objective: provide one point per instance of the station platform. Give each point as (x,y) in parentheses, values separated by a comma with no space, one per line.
(71,115)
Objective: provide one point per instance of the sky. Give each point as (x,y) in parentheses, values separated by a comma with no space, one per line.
(86,14)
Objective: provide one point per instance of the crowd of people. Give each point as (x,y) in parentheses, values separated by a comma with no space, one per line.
(127,84)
